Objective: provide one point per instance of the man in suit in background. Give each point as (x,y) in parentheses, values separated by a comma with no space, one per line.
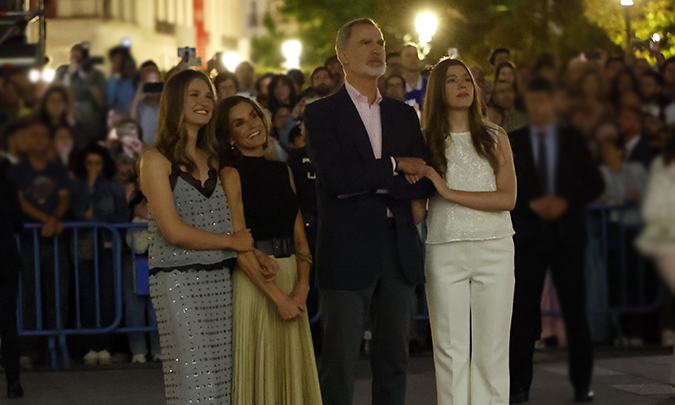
(369,154)
(557,179)
(634,143)
(10,224)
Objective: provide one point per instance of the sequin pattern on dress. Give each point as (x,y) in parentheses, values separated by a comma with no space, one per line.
(467,171)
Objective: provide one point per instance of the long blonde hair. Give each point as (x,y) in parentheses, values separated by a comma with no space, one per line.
(171,139)
(436,127)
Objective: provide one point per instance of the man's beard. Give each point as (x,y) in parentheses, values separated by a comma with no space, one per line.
(373,72)
(322,90)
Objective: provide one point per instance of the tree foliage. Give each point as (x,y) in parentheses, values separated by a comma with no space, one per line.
(475,27)
(647,18)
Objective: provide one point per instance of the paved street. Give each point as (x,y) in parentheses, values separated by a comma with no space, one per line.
(621,378)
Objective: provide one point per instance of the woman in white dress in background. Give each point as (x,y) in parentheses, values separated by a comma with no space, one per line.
(470,254)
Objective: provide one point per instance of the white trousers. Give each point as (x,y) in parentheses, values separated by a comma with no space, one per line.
(470,296)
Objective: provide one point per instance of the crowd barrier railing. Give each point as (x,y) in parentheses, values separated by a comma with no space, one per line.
(67,247)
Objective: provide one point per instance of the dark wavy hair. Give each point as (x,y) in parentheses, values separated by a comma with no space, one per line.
(273,103)
(109,166)
(43,115)
(436,127)
(227,153)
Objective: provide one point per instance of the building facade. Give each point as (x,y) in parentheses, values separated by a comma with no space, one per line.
(156,28)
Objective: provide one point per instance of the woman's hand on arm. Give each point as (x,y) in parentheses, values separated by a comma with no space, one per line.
(155,172)
(248,261)
(503,199)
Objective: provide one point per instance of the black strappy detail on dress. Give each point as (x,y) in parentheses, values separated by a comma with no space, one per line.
(206,189)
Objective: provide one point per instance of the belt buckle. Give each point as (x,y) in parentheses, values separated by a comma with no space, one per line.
(281,248)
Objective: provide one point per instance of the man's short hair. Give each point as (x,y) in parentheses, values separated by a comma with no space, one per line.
(12,129)
(297,76)
(393,55)
(657,77)
(225,76)
(330,60)
(344,34)
(540,84)
(319,69)
(497,51)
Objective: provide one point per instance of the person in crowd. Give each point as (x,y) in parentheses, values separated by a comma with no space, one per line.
(614,66)
(103,201)
(334,66)
(557,179)
(192,244)
(495,114)
(226,85)
(55,108)
(262,90)
(589,101)
(10,224)
(368,249)
(470,253)
(298,79)
(641,66)
(88,88)
(499,56)
(633,142)
(523,76)
(654,125)
(656,240)
(272,331)
(281,91)
(624,84)
(506,72)
(546,66)
(625,184)
(282,144)
(321,84)
(15,141)
(121,87)
(485,87)
(505,95)
(668,70)
(416,83)
(394,64)
(126,138)
(64,147)
(145,107)
(651,90)
(44,191)
(395,87)
(245,74)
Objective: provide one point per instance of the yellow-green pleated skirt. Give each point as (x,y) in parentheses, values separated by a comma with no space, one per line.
(274,361)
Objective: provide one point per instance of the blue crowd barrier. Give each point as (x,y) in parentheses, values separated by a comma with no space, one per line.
(59,330)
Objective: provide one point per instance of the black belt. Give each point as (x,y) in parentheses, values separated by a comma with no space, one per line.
(277,247)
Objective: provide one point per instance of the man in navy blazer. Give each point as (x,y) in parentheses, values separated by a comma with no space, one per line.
(369,156)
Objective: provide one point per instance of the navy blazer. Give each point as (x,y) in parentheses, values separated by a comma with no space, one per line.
(577,179)
(351,229)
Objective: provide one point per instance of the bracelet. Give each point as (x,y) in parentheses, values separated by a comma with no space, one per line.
(304,257)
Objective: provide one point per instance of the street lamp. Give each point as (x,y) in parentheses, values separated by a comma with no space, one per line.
(656,37)
(426,25)
(231,60)
(291,50)
(626,16)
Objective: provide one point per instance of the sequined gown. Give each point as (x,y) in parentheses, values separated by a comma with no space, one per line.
(191,292)
(470,282)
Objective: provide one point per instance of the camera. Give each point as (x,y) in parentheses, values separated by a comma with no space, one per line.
(88,62)
(189,56)
(153,87)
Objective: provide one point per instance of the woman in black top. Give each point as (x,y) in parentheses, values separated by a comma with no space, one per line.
(273,352)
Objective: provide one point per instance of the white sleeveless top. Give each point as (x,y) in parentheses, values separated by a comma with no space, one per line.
(467,171)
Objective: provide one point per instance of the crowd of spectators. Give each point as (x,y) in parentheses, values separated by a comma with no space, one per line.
(72,148)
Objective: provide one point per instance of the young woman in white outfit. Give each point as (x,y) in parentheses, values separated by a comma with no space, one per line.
(470,254)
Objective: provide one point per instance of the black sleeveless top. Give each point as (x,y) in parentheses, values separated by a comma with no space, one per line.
(270,205)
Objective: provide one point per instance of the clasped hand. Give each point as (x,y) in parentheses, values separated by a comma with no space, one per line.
(549,207)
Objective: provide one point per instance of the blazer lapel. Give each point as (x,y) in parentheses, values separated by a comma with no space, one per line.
(354,127)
